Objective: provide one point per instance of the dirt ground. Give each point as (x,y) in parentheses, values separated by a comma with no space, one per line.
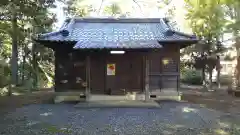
(11,103)
(218,100)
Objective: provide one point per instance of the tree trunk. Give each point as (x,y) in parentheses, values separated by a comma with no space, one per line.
(218,68)
(14,64)
(23,65)
(203,77)
(236,75)
(218,78)
(203,72)
(210,79)
(34,64)
(238,62)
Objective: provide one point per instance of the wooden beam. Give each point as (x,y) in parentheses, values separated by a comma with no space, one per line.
(147,95)
(88,78)
(143,73)
(56,70)
(178,69)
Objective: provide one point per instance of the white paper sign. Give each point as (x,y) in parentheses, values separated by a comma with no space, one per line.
(111,68)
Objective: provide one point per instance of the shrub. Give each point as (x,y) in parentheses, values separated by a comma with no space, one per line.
(190,76)
(225,79)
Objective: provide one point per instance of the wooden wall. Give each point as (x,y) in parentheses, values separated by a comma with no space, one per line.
(129,73)
(70,70)
(97,71)
(164,68)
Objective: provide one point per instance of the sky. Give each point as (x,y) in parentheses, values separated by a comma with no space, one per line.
(148,10)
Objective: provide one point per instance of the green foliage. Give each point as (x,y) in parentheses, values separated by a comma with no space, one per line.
(4,74)
(232,11)
(190,76)
(77,8)
(228,58)
(207,20)
(112,9)
(83,8)
(31,17)
(225,79)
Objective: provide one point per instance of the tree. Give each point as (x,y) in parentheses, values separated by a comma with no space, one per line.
(112,10)
(206,18)
(233,13)
(79,8)
(14,15)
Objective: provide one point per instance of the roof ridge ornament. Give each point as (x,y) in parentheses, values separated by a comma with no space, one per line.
(166,27)
(64,32)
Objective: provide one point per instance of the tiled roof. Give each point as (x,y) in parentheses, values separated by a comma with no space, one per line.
(117,45)
(116,33)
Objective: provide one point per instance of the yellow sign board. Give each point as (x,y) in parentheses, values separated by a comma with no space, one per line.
(111,69)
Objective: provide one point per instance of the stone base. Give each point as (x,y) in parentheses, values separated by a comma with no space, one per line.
(237,93)
(116,97)
(79,96)
(165,95)
(69,97)
(118,104)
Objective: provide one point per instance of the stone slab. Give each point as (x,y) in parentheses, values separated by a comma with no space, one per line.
(118,104)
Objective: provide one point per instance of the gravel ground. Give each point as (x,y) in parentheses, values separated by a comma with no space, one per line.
(65,119)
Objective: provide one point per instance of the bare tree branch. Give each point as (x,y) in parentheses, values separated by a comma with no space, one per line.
(99,10)
(138,5)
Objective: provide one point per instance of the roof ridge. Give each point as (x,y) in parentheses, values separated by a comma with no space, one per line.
(115,20)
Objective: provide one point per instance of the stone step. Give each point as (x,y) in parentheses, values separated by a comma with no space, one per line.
(171,95)
(118,104)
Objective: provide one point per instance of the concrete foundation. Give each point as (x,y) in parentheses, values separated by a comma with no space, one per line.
(78,96)
(69,97)
(118,104)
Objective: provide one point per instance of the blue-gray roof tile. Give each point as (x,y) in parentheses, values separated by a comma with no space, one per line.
(106,32)
(117,45)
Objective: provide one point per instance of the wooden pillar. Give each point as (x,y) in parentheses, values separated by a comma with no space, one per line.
(56,69)
(147,95)
(178,69)
(88,78)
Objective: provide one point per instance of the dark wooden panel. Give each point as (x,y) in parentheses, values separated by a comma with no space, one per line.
(117,83)
(163,74)
(128,73)
(135,72)
(69,71)
(169,65)
(97,73)
(169,82)
(77,71)
(154,62)
(61,71)
(154,82)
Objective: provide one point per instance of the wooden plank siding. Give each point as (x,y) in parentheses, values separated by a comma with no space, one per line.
(70,70)
(164,76)
(98,73)
(129,73)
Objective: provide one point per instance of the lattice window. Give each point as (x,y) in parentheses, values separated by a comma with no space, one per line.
(169,65)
